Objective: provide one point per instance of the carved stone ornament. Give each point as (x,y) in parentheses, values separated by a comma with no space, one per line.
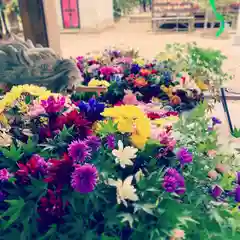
(23,63)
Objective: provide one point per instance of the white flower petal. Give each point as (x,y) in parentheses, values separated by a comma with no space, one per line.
(120,145)
(112,182)
(128,180)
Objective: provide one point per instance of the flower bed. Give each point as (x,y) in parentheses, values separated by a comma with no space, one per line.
(84,170)
(130,80)
(176,77)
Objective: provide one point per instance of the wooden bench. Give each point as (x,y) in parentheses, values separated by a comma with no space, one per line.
(158,21)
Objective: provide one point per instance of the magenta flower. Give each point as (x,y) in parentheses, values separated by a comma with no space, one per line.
(181,185)
(111,141)
(4,175)
(238,177)
(237,194)
(93,143)
(79,151)
(53,105)
(84,178)
(170,184)
(184,156)
(172,172)
(174,182)
(217,191)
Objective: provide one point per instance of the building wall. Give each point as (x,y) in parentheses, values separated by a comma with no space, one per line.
(94,14)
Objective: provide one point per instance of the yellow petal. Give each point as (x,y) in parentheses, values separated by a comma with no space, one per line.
(138,141)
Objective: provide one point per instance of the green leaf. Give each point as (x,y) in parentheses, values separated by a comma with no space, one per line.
(148,208)
(50,233)
(13,153)
(30,146)
(104,237)
(13,212)
(107,128)
(127,217)
(184,220)
(65,133)
(27,99)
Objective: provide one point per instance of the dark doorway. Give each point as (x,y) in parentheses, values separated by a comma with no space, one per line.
(33,20)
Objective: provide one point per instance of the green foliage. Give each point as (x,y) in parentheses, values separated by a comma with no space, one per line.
(121,7)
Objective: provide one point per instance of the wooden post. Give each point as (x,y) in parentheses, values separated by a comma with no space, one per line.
(236,39)
(39,19)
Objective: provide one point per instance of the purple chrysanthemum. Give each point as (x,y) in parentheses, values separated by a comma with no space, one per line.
(237,194)
(217,191)
(79,151)
(170,184)
(238,177)
(174,181)
(93,143)
(172,172)
(84,178)
(181,185)
(111,141)
(216,121)
(4,175)
(184,156)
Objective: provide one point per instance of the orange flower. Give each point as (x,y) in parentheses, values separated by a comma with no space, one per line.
(175,100)
(140,82)
(145,72)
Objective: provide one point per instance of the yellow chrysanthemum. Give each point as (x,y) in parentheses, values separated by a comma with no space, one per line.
(17,91)
(167,90)
(125,111)
(166,120)
(98,83)
(130,119)
(125,125)
(202,86)
(139,61)
(3,120)
(23,107)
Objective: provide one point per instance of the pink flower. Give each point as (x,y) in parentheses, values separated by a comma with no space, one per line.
(212,153)
(93,67)
(4,175)
(36,109)
(130,99)
(178,234)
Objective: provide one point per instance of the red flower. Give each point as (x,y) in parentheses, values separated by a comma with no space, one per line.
(59,171)
(76,119)
(154,71)
(171,113)
(22,174)
(119,103)
(51,209)
(36,164)
(153,116)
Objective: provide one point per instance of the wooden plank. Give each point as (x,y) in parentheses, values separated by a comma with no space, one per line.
(86,89)
(33,20)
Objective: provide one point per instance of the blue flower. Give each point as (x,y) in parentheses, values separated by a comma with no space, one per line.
(92,109)
(135,68)
(216,121)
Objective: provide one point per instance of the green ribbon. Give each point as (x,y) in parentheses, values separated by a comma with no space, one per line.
(219,17)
